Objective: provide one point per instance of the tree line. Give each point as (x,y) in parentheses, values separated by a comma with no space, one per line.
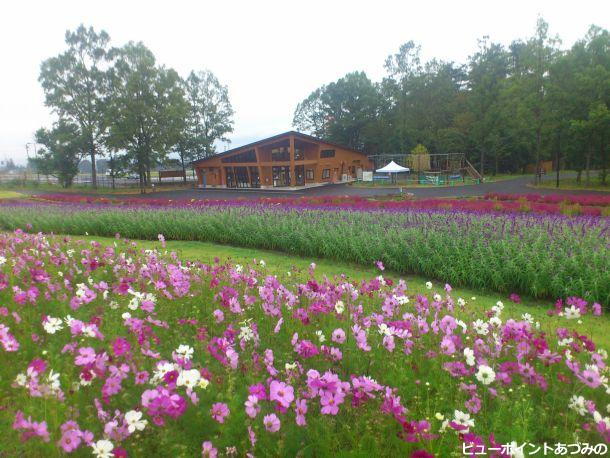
(119,103)
(506,107)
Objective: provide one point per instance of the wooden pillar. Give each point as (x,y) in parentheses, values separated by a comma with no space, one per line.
(258,164)
(293,177)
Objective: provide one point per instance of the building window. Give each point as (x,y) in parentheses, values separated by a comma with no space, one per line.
(309,174)
(325,174)
(280,154)
(327,153)
(247,156)
(298,154)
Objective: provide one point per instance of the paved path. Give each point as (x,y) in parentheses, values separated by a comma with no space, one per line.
(513,186)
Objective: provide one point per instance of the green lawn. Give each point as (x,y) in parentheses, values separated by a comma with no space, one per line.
(280,264)
(571,184)
(6,194)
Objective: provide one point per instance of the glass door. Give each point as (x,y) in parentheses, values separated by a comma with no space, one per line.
(299,172)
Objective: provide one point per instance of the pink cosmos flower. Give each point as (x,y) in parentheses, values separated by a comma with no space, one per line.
(219,411)
(338,336)
(208,450)
(590,378)
(330,403)
(272,423)
(86,355)
(70,440)
(282,393)
(301,409)
(252,436)
(252,406)
(388,343)
(380,265)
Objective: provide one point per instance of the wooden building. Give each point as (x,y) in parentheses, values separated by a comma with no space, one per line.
(287,160)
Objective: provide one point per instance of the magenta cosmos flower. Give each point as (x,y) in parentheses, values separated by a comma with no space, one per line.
(272,423)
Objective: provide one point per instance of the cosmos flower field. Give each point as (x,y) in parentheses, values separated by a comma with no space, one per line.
(114,350)
(536,254)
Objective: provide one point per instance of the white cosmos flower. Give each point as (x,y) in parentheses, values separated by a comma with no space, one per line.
(2,260)
(339,307)
(188,378)
(462,325)
(53,380)
(495,321)
(485,374)
(52,325)
(134,421)
(461,302)
(126,315)
(463,418)
(381,280)
(321,336)
(88,331)
(21,379)
(102,448)
(385,330)
(203,383)
(481,327)
(246,334)
(262,263)
(469,355)
(185,351)
(429,284)
(162,369)
(577,403)
(527,317)
(516,450)
(437,297)
(572,313)
(402,300)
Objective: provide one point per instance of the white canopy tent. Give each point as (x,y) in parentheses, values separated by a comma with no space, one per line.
(392,168)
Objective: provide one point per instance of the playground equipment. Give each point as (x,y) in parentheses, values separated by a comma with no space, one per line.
(434,169)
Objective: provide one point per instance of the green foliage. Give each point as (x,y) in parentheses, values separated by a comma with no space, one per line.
(61,153)
(147,110)
(508,107)
(75,86)
(210,114)
(340,111)
(419,149)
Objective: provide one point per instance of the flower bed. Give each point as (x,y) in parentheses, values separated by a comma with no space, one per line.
(539,255)
(119,351)
(492,203)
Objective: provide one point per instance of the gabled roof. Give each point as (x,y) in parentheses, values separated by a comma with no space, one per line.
(277,137)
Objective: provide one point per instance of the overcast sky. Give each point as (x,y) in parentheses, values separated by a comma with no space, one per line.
(271,54)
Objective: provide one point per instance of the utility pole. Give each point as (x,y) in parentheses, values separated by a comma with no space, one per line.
(27,151)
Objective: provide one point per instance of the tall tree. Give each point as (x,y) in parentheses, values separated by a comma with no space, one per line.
(61,152)
(147,110)
(341,111)
(210,116)
(75,86)
(488,68)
